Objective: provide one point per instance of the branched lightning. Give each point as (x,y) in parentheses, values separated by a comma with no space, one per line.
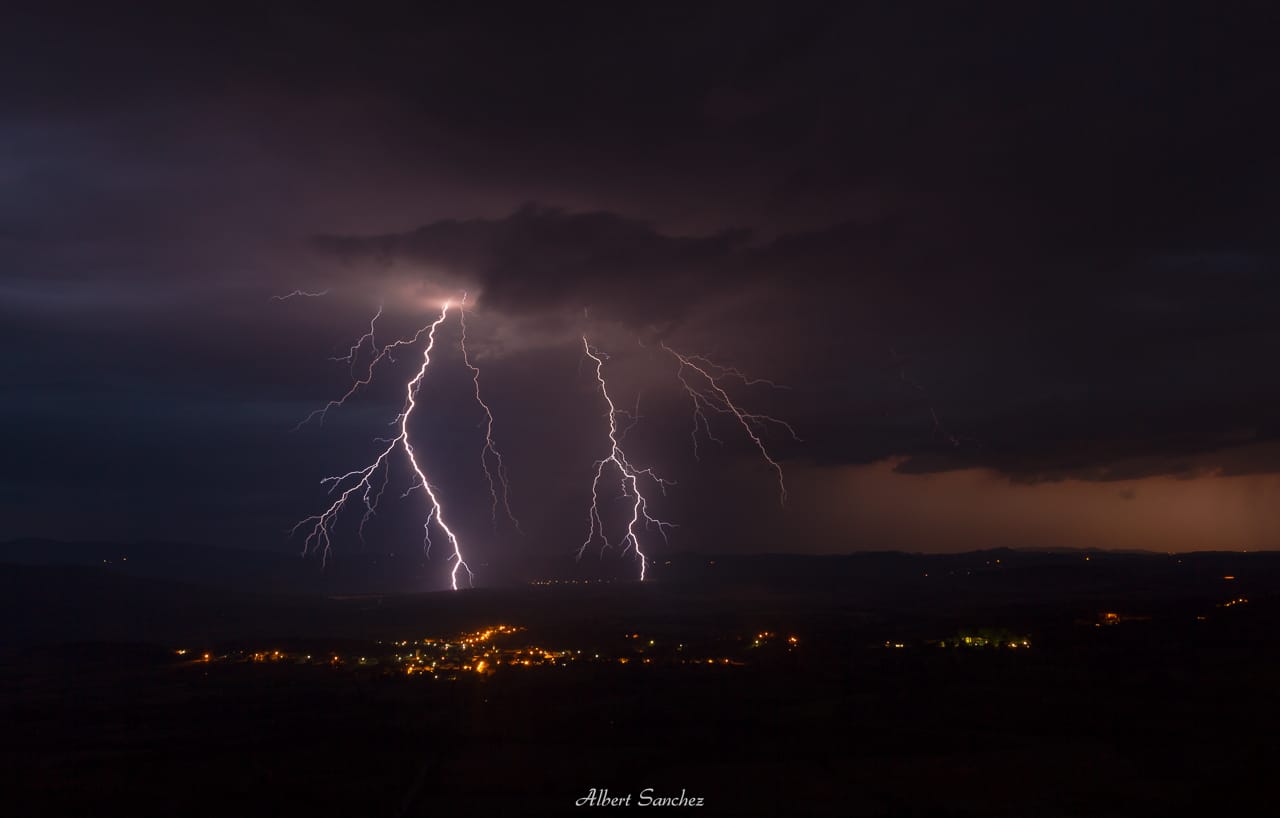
(352,357)
(629,474)
(365,483)
(708,395)
(489,451)
(703,379)
(353,354)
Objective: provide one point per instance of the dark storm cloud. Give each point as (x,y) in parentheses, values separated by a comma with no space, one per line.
(543,258)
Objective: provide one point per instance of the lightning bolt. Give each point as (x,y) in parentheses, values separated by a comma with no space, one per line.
(489,451)
(363,481)
(708,395)
(352,357)
(938,427)
(629,474)
(354,352)
(299,294)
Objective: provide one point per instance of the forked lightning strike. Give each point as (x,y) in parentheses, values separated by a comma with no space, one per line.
(707,394)
(630,479)
(701,378)
(489,451)
(320,535)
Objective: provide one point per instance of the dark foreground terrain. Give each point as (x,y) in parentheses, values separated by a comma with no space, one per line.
(1005,683)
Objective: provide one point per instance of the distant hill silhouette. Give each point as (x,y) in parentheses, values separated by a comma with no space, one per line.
(241,569)
(53,591)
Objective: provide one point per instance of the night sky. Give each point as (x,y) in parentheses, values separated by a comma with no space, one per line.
(1017,266)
